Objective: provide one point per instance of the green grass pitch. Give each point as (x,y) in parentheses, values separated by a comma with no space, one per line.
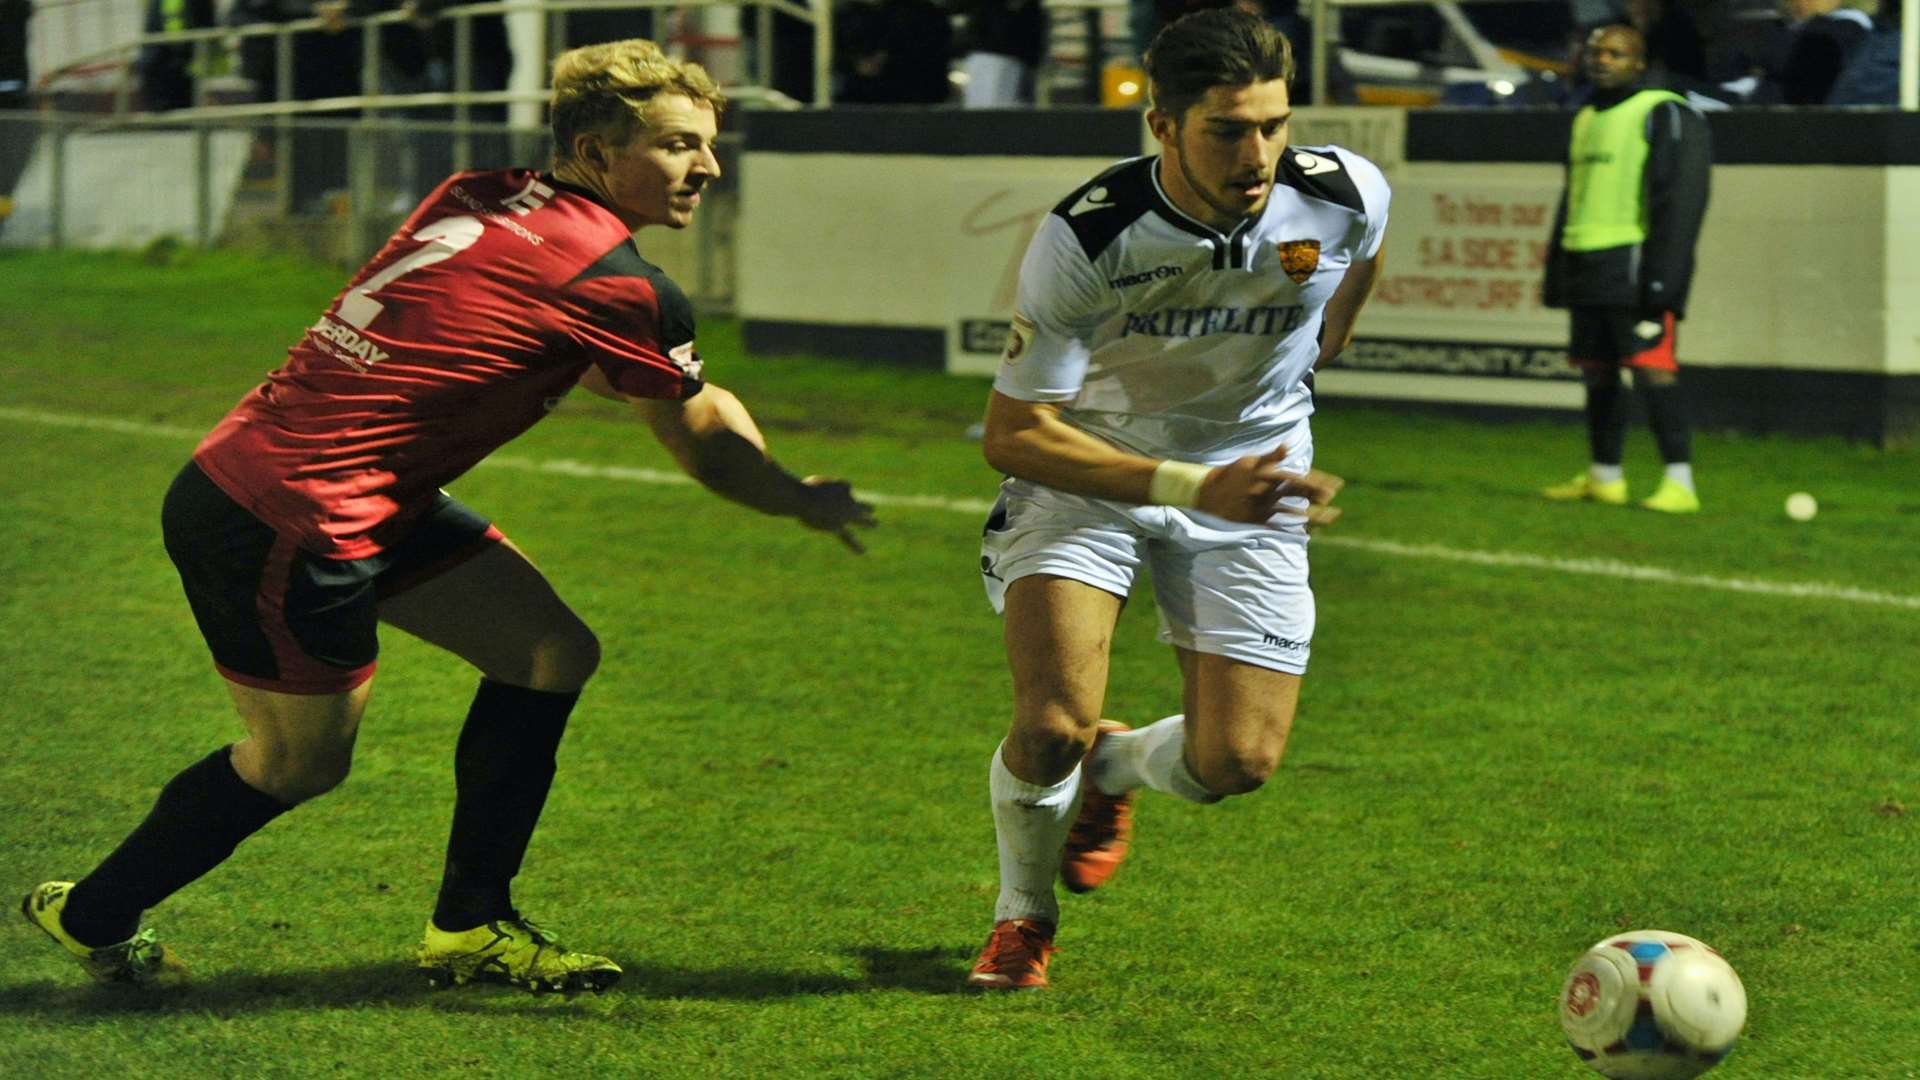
(772,802)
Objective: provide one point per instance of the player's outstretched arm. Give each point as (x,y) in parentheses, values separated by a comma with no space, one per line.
(1028,439)
(715,440)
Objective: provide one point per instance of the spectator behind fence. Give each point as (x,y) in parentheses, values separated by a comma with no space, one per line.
(1145,18)
(1676,50)
(892,52)
(13,52)
(325,65)
(1872,73)
(16,140)
(416,56)
(167,72)
(792,53)
(421,59)
(491,64)
(1826,35)
(585,26)
(1003,42)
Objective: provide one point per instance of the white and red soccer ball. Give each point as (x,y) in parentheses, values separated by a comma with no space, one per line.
(1652,1005)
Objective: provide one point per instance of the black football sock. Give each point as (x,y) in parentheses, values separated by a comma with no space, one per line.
(502,768)
(1667,415)
(201,816)
(1606,420)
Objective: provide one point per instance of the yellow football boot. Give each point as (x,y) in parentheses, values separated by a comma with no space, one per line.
(1613,492)
(515,952)
(1672,497)
(138,961)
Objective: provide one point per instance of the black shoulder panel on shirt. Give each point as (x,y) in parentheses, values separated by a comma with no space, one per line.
(1320,176)
(676,312)
(621,260)
(1101,209)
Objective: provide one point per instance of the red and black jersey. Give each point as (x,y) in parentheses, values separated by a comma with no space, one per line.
(469,326)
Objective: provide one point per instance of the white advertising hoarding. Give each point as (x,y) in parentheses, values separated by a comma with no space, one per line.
(997,219)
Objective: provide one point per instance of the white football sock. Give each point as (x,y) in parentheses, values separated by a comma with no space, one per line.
(1153,756)
(1681,472)
(1030,822)
(1605,474)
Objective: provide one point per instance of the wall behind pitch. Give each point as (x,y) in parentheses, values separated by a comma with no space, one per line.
(897,236)
(906,242)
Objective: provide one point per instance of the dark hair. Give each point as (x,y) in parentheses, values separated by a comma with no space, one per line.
(1217,47)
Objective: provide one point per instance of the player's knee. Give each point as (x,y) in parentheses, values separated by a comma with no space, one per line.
(295,775)
(325,775)
(1237,770)
(1053,736)
(563,661)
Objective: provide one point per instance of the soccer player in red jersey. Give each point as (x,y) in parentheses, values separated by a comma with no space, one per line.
(314,512)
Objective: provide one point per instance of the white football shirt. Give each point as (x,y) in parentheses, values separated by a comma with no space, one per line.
(1171,339)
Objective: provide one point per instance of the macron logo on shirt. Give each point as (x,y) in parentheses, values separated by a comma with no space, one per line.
(1314,164)
(1098,198)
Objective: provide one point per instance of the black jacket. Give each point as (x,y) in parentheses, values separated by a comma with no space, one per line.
(1656,274)
(1821,48)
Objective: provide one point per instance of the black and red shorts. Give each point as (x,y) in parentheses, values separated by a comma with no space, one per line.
(1620,337)
(283,619)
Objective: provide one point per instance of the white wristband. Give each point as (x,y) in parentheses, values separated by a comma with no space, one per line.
(1177,483)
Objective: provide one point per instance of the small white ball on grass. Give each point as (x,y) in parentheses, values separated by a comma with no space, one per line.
(1801,506)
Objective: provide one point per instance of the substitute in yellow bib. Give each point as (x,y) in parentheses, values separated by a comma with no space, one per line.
(1620,259)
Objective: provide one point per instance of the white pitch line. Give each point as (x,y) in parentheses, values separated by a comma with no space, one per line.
(98,423)
(1630,571)
(1514,559)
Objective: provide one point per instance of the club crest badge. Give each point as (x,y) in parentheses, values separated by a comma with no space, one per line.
(1017,337)
(1299,258)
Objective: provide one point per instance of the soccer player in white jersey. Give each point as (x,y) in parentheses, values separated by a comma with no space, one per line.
(1152,410)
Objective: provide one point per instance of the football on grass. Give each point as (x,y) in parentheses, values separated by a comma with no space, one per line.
(1652,1005)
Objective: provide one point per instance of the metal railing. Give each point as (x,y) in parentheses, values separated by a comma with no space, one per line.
(330,189)
(294,173)
(552,41)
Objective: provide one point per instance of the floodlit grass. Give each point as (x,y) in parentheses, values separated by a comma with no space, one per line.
(772,802)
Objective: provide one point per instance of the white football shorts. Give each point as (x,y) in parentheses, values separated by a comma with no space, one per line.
(1234,590)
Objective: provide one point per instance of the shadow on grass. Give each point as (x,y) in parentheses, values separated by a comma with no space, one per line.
(232,992)
(923,971)
(926,971)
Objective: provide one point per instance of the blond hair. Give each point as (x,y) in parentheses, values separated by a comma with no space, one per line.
(607,88)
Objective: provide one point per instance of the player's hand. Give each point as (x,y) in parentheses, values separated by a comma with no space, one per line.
(1249,490)
(831,507)
(1318,488)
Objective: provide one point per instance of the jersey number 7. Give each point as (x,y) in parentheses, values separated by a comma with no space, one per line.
(440,241)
